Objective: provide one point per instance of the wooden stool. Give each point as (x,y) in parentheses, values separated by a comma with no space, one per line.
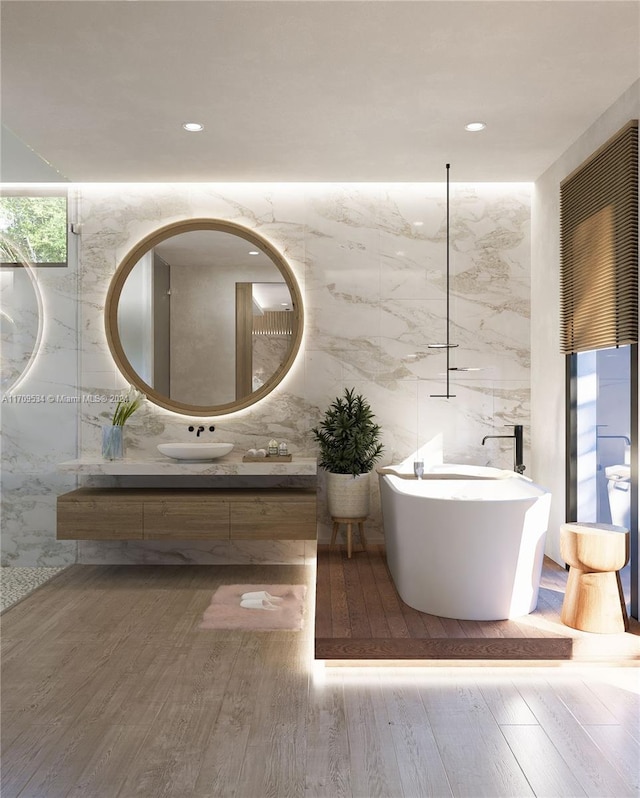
(349,522)
(594,601)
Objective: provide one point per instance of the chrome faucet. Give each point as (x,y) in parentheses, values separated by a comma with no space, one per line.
(518,455)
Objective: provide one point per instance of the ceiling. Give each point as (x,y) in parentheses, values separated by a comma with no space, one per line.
(370,90)
(200,249)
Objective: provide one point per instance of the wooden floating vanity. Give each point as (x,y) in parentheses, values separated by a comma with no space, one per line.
(190,513)
(187,514)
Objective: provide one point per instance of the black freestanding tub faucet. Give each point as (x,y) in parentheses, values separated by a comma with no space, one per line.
(518,454)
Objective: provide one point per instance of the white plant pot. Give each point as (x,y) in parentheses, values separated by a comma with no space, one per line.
(348,496)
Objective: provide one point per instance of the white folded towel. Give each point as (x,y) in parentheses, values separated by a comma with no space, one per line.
(261,594)
(257,604)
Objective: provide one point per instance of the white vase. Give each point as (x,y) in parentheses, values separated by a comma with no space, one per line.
(348,496)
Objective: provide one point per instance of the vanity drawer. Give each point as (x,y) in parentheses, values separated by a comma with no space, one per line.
(195,519)
(99,520)
(273,520)
(187,514)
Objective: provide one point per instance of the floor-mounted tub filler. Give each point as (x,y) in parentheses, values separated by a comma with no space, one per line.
(465,542)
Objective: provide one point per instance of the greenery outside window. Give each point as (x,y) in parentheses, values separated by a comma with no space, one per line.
(33,227)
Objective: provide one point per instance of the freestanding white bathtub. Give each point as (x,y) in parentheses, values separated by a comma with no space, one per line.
(467,548)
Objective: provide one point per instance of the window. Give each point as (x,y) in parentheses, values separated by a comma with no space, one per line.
(33,228)
(599,333)
(599,248)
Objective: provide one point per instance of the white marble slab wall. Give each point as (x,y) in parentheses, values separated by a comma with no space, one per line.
(370,261)
(39,416)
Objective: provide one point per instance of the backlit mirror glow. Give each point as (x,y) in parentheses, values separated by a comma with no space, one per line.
(21,319)
(201,324)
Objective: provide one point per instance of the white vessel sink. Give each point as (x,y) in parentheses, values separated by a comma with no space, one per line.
(195,451)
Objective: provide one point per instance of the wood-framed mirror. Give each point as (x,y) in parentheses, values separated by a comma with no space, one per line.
(204,316)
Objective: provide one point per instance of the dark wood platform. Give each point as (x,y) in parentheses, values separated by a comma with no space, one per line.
(360,616)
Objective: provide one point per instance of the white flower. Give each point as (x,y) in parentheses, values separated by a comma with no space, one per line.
(127,406)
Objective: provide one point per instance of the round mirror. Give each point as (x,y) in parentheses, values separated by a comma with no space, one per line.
(204,316)
(20,316)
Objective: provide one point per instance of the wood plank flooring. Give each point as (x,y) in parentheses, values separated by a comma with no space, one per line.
(360,616)
(110,690)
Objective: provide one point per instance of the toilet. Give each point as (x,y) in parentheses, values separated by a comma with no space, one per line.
(619,491)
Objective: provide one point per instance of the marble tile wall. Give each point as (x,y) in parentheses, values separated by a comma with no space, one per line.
(370,261)
(39,419)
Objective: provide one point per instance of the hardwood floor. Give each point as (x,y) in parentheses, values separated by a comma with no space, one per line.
(360,616)
(110,690)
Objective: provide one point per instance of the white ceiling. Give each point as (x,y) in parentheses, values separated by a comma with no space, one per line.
(370,90)
(229,253)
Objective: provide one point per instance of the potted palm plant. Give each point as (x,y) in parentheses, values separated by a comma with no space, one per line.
(350,444)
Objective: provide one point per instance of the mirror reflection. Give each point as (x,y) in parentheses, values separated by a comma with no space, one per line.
(20,323)
(206,318)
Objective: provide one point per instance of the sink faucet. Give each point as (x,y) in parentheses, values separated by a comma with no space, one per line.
(518,436)
(200,429)
(620,437)
(626,439)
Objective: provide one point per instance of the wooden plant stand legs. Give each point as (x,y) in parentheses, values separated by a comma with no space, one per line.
(349,522)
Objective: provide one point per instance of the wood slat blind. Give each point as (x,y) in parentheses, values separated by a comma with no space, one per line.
(599,247)
(273,322)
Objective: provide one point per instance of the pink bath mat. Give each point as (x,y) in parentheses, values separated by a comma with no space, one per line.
(225,611)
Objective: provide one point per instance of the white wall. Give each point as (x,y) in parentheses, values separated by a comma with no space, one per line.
(547,364)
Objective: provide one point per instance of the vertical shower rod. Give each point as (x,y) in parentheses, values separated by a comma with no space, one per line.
(448,346)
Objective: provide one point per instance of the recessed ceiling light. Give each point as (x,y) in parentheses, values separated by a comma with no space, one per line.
(193,127)
(474,127)
(253,252)
(418,224)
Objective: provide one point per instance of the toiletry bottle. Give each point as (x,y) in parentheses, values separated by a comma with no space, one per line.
(273,448)
(283,449)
